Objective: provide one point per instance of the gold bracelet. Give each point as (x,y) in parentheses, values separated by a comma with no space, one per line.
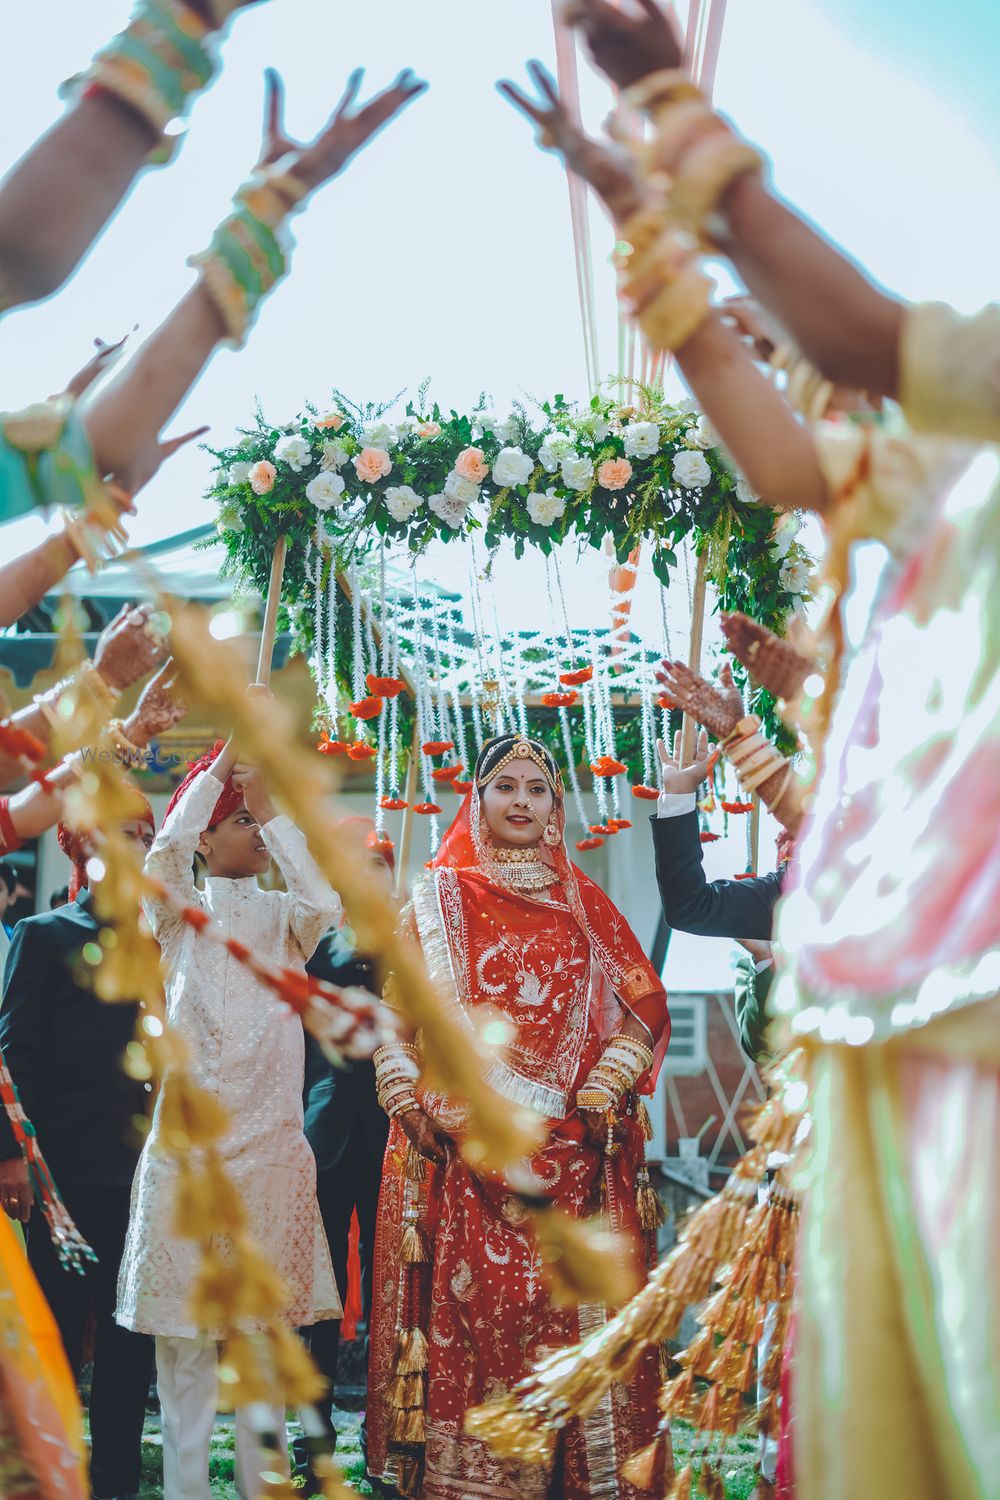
(704,175)
(665,87)
(678,311)
(622,1039)
(89,676)
(591,1099)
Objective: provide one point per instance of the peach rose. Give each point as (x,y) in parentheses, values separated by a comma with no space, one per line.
(372,464)
(471,465)
(262,477)
(428,429)
(614,473)
(334,419)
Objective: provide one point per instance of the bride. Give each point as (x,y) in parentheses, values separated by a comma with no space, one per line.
(462,1305)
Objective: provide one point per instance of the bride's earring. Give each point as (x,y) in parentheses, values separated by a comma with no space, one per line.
(552,836)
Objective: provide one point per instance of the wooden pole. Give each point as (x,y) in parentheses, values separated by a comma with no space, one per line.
(406,835)
(689,726)
(271,612)
(755,833)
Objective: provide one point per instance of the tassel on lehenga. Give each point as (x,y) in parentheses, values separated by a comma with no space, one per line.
(406,1395)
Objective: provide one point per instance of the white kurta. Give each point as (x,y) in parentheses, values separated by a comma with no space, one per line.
(247,1049)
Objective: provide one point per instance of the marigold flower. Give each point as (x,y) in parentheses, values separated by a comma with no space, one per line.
(362,752)
(384,687)
(366,708)
(574,679)
(393,804)
(437,747)
(584,844)
(645,793)
(426,808)
(559,700)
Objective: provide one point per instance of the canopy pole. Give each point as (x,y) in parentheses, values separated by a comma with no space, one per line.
(689,725)
(271,603)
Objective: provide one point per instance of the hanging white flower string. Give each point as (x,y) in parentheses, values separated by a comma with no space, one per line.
(600,791)
(440,692)
(570,645)
(357,645)
(517,647)
(461,741)
(425,705)
(602,679)
(332,602)
(648,727)
(574,780)
(390,660)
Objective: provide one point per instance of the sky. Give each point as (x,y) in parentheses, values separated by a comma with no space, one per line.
(445,251)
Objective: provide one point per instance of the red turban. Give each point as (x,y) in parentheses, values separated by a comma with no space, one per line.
(382,845)
(229,798)
(77,850)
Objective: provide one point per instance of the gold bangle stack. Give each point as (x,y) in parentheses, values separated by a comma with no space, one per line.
(396,1073)
(651,256)
(655,94)
(754,759)
(622,1064)
(88,676)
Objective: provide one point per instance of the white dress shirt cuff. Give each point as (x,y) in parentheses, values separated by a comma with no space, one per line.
(675,804)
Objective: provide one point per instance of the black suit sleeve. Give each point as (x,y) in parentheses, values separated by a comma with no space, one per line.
(716,908)
(22,1027)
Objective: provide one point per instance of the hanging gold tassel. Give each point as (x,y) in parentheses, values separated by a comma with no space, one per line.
(712,1486)
(677,1395)
(413,1249)
(648,1206)
(700,1353)
(585,1261)
(641,1469)
(411,1352)
(411,1476)
(407,1427)
(406,1392)
(645,1123)
(416,1166)
(681,1487)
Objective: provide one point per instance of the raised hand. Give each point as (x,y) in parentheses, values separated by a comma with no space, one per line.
(159,708)
(608,169)
(248,780)
(129,647)
(719,709)
(775,664)
(345,134)
(146,464)
(630,42)
(101,360)
(761,332)
(676,778)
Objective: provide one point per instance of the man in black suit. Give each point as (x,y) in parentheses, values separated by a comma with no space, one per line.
(64,1048)
(346,1128)
(738,909)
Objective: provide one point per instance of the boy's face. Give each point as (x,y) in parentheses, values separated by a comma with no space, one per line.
(381,870)
(234,848)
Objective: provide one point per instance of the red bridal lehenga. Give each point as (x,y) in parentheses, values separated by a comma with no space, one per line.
(564,969)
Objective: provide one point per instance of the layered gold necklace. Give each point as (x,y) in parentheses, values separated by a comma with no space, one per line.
(520,869)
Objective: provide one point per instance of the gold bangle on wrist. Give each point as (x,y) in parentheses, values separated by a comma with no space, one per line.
(703,176)
(667,86)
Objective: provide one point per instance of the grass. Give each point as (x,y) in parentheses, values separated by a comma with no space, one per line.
(737,1468)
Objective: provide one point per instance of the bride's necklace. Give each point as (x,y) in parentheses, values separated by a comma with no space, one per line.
(521,869)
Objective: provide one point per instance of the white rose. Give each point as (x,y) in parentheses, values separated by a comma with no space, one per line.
(599,429)
(450,509)
(486,419)
(335,456)
(545,509)
(325,491)
(794,576)
(554,449)
(293,451)
(745,494)
(230,520)
(687,406)
(691,470)
(461,490)
(239,473)
(401,501)
(577,473)
(702,435)
(405,426)
(785,532)
(512,466)
(506,431)
(641,439)
(381,435)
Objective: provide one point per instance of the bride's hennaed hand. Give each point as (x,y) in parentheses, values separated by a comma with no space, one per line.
(426,1135)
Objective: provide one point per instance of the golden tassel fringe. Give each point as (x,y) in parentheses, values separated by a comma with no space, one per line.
(411,1352)
(406,1392)
(413,1249)
(407,1427)
(648,1205)
(681,1487)
(585,1261)
(641,1468)
(416,1166)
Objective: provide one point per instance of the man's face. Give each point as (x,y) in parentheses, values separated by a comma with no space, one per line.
(234,848)
(138,831)
(381,870)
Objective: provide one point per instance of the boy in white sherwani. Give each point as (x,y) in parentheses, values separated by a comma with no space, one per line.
(247,1048)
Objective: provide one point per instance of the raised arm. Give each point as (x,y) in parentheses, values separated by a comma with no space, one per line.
(56,200)
(314,907)
(840,321)
(758,428)
(244,261)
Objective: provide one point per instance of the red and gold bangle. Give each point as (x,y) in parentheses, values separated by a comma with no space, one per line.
(10,840)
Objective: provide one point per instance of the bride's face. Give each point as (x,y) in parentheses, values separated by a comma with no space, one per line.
(517,804)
